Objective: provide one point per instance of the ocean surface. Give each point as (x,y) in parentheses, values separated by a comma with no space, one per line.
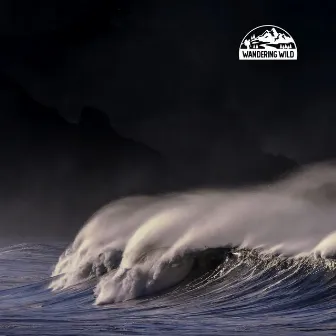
(246,294)
(253,262)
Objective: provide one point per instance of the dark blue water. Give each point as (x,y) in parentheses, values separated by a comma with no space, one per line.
(246,293)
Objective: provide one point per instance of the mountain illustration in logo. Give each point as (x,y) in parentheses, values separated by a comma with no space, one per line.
(269,39)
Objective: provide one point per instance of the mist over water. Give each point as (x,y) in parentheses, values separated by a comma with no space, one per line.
(140,245)
(254,260)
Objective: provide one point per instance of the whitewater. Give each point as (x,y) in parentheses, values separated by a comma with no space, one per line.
(252,260)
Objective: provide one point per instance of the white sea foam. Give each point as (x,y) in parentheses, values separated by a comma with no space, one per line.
(293,216)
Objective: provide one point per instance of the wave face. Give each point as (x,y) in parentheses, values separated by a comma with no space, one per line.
(230,290)
(254,261)
(141,245)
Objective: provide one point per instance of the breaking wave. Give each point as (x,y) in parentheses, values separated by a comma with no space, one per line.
(140,246)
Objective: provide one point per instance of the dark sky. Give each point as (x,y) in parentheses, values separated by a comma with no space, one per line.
(167,75)
(163,70)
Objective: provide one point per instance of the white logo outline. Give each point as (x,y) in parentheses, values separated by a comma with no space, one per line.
(289,55)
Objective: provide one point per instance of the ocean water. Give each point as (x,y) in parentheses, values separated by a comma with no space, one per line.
(255,262)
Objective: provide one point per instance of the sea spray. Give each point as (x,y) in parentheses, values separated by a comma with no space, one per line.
(293,216)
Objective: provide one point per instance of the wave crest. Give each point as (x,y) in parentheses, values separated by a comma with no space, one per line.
(135,246)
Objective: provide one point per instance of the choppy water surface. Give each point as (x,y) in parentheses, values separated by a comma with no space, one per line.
(245,293)
(256,262)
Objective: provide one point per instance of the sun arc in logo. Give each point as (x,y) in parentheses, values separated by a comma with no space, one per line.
(268,42)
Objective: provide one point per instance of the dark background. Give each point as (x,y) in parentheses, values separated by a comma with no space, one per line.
(101,99)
